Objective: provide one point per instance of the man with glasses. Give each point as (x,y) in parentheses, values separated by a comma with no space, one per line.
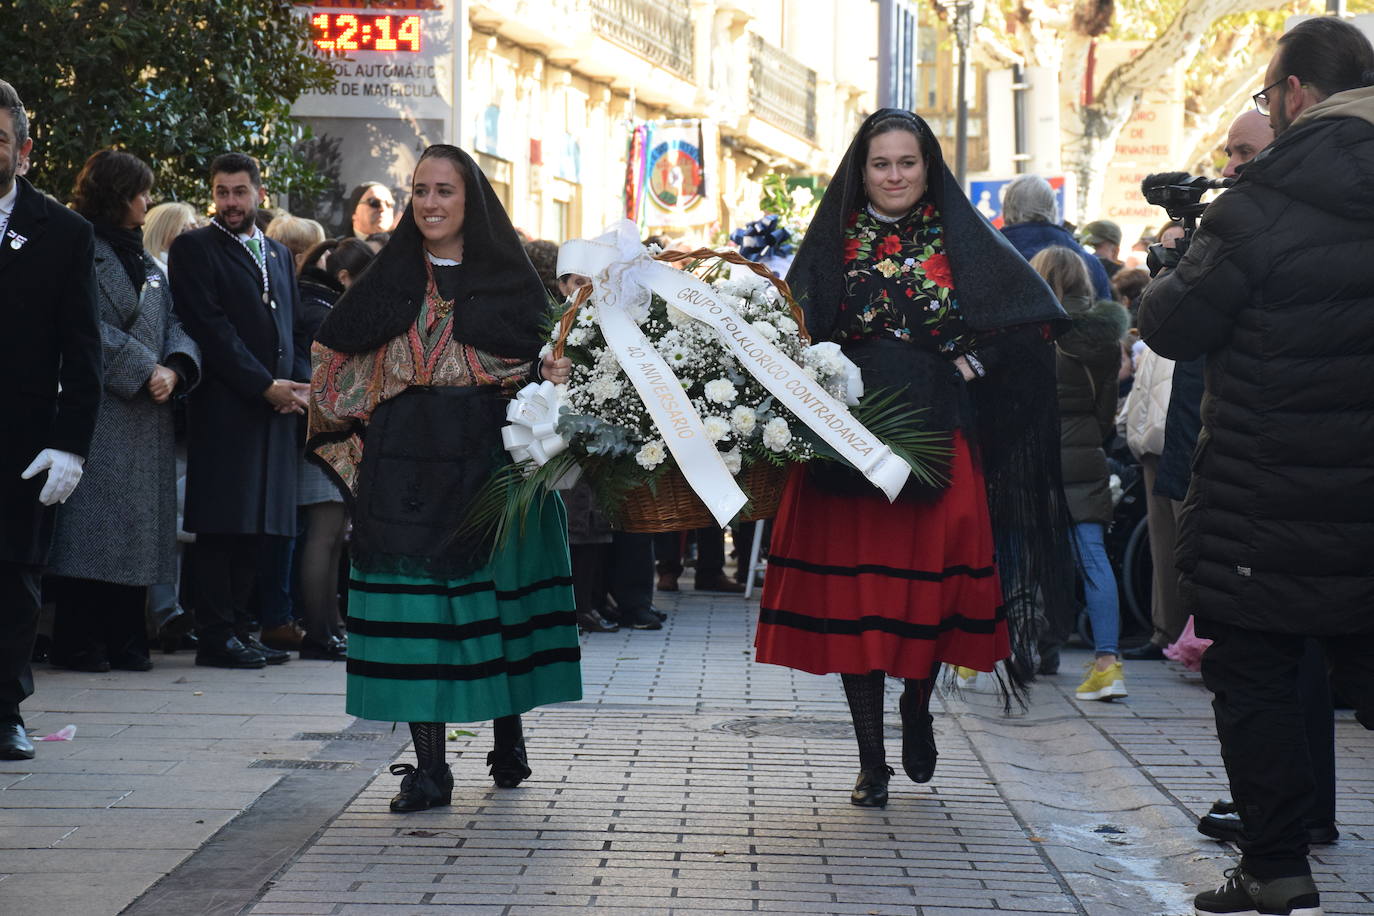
(371,209)
(1277,290)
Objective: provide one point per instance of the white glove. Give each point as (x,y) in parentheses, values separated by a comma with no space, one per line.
(64,473)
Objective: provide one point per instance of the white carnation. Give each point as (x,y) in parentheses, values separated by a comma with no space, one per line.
(766,330)
(786,324)
(651,455)
(717,428)
(743,419)
(721,391)
(733,460)
(776,434)
(733,286)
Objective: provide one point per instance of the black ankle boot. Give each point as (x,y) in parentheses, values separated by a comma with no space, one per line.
(421,789)
(918,743)
(509,766)
(870,791)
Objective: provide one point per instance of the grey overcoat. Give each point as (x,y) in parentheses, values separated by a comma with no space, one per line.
(120,524)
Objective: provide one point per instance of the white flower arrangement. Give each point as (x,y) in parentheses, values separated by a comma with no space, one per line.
(599,427)
(605,418)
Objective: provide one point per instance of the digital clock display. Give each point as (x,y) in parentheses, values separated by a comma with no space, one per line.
(351,32)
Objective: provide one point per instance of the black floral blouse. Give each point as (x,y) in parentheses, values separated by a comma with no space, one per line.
(898,282)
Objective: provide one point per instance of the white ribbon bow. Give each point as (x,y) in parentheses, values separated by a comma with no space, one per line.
(533,431)
(533,416)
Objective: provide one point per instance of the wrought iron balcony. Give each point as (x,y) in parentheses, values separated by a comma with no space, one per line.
(782,90)
(660,31)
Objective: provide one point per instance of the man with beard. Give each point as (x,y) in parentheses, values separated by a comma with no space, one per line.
(235,292)
(1278,526)
(50,367)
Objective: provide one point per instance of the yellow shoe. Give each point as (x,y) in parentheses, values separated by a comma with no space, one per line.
(967,678)
(1103,685)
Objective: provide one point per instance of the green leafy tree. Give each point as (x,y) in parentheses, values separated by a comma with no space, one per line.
(175,82)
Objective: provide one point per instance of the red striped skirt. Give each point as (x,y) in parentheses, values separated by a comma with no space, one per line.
(857,584)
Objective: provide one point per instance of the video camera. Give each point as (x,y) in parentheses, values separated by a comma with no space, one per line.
(1180,194)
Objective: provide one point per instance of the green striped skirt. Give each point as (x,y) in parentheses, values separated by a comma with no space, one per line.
(496,643)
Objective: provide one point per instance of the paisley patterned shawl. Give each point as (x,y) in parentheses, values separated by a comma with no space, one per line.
(347,387)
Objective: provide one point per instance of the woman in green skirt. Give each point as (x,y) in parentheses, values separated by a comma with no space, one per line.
(412,370)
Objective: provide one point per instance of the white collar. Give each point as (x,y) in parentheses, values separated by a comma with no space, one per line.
(441,262)
(883,218)
(7,202)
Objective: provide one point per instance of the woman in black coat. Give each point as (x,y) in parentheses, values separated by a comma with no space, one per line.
(320,547)
(117,534)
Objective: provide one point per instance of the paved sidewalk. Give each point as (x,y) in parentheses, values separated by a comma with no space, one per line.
(692,780)
(689,780)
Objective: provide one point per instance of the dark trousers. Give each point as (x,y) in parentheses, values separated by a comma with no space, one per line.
(710,553)
(274,604)
(224,572)
(630,574)
(590,563)
(1314,691)
(1254,680)
(98,620)
(18,626)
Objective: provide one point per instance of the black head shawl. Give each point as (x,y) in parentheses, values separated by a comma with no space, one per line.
(1018,414)
(503,309)
(995,286)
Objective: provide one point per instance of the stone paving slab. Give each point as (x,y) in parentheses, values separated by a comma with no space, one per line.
(159,765)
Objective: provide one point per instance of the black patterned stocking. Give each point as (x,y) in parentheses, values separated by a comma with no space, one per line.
(918,692)
(865,695)
(429,745)
(507,732)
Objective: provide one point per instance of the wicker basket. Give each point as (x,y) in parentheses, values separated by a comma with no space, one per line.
(674,507)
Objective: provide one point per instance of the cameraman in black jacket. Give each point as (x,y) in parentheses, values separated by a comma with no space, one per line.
(1277,535)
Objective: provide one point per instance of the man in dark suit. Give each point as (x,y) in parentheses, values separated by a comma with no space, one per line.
(50,365)
(235,291)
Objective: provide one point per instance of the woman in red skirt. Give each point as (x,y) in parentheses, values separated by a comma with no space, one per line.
(924,295)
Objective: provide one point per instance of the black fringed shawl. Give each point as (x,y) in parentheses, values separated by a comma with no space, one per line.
(1017,412)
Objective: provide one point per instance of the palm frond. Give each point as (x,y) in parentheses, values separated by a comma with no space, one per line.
(506,500)
(888,416)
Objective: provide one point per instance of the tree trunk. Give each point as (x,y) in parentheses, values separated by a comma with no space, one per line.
(1090,137)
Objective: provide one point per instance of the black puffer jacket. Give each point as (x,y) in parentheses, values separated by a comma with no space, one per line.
(1088,359)
(1278,290)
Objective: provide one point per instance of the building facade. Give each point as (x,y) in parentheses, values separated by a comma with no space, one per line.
(548,95)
